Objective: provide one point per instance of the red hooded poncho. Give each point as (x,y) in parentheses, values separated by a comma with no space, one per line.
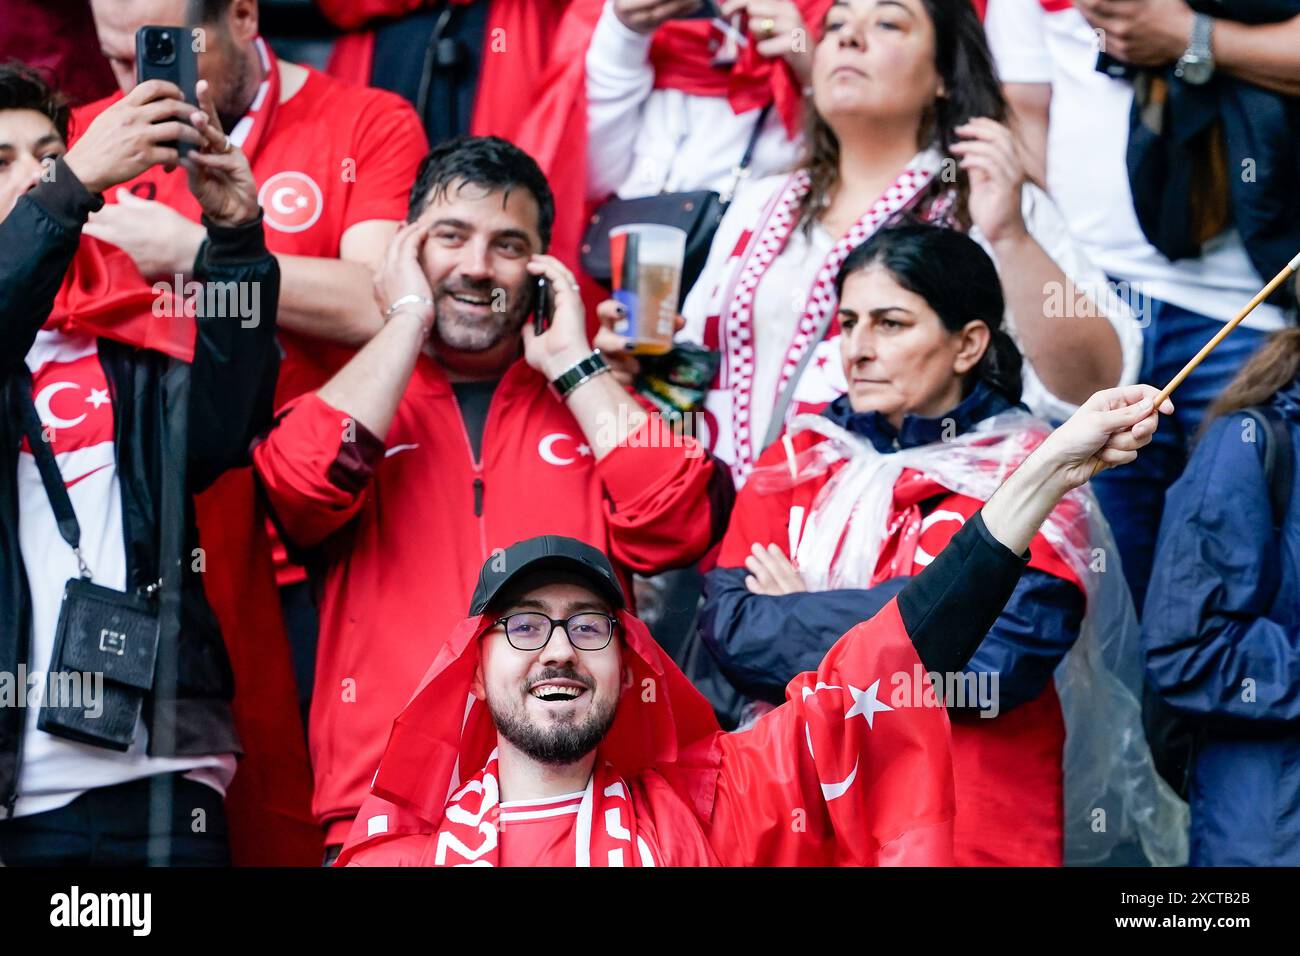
(835,776)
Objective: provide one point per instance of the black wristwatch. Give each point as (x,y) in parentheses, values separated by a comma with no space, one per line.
(593,365)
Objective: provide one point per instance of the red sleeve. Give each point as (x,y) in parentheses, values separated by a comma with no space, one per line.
(853,769)
(315,466)
(661,502)
(389,146)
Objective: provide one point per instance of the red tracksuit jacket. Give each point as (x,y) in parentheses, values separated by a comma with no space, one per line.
(403,525)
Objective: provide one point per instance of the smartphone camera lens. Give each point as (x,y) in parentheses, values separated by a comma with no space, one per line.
(160,47)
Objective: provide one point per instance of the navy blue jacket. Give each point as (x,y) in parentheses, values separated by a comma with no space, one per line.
(760,642)
(1221,632)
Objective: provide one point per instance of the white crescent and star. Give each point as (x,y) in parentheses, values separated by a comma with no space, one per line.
(866,704)
(282,207)
(546,449)
(97,397)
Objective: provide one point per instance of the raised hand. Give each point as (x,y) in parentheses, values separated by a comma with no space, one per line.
(220,177)
(135,133)
(646,16)
(992,159)
(1107,430)
(401,276)
(779,31)
(564,343)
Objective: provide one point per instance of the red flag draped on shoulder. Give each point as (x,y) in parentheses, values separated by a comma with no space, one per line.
(104,295)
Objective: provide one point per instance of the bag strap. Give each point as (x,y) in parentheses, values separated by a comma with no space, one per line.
(777,422)
(741,170)
(1279,459)
(51,478)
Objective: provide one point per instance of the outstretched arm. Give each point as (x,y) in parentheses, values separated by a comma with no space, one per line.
(850,769)
(952,604)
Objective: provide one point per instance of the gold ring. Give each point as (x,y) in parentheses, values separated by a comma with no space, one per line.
(767,26)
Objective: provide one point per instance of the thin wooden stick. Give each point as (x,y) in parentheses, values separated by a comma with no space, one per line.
(1219,336)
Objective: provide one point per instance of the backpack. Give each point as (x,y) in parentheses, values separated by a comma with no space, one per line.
(1173,735)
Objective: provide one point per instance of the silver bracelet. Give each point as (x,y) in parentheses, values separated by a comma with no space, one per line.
(406,300)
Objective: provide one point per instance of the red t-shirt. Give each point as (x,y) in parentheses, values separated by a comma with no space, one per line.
(332,156)
(540,832)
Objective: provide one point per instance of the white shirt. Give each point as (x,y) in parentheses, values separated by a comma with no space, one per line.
(642,141)
(71,394)
(1087,171)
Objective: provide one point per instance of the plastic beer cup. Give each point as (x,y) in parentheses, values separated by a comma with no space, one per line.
(646,264)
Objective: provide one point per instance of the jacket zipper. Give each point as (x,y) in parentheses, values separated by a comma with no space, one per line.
(479,485)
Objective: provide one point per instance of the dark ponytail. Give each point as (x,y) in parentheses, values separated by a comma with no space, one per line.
(956,278)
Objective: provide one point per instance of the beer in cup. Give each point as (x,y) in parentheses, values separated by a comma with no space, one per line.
(646,266)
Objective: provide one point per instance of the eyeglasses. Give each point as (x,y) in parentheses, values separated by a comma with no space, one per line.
(531,631)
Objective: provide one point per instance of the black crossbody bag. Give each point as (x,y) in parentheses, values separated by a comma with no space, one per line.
(100,631)
(696,213)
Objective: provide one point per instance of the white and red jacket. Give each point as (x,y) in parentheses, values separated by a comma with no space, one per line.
(403,524)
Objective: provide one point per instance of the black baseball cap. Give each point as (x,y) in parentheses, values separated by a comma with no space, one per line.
(546,552)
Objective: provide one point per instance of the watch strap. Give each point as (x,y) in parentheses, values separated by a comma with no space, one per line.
(1202,32)
(589,367)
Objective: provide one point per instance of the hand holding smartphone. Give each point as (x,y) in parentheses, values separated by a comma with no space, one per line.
(164,53)
(708,10)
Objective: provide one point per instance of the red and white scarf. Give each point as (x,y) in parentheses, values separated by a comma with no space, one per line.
(768,239)
(251,130)
(605,830)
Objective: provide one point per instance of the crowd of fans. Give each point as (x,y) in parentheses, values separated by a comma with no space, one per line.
(943,230)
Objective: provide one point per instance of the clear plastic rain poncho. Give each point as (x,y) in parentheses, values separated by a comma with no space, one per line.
(1113,794)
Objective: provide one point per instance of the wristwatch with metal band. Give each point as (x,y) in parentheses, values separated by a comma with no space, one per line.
(593,365)
(1196,65)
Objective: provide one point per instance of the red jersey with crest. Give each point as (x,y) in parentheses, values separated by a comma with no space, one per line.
(404,524)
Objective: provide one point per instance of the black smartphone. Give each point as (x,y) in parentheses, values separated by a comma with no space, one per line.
(165,53)
(708,10)
(543,307)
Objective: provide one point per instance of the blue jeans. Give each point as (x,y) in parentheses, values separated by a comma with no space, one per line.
(1133,497)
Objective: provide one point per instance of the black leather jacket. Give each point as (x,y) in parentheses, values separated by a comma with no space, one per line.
(174,422)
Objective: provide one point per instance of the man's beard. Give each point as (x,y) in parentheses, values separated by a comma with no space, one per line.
(560,742)
(238,91)
(476,333)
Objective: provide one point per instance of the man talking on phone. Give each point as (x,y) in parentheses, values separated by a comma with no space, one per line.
(457,430)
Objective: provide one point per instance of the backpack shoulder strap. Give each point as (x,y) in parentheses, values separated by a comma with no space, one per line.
(1279,458)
